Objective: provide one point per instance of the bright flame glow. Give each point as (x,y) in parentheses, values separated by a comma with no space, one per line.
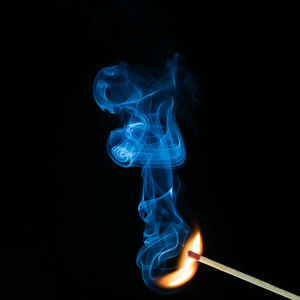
(187,266)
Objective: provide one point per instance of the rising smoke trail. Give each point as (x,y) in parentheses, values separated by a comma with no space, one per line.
(151,140)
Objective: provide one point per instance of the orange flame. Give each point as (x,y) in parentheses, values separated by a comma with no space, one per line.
(187,266)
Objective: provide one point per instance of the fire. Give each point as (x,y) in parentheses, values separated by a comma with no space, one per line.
(187,267)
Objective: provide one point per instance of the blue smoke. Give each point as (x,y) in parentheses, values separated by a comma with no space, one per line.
(150,139)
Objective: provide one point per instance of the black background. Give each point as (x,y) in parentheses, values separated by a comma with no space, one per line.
(70,222)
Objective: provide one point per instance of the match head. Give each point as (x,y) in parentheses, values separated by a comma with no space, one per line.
(193,255)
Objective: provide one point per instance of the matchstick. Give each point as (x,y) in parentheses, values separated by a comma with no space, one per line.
(243,276)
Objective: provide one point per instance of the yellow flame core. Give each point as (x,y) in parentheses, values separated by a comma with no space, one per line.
(187,266)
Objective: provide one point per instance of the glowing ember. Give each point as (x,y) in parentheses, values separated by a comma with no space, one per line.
(187,266)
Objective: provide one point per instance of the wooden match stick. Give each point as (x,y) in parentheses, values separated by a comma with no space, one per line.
(243,276)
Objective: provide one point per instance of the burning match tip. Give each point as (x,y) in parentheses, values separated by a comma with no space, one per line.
(193,255)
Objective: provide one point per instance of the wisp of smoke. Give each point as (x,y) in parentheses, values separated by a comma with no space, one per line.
(150,139)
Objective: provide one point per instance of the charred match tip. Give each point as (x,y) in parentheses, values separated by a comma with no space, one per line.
(193,255)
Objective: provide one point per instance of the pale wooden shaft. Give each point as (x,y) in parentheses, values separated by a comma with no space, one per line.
(248,278)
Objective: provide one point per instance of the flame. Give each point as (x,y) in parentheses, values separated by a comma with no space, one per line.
(187,266)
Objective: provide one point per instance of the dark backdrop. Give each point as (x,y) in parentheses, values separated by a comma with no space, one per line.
(70,222)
